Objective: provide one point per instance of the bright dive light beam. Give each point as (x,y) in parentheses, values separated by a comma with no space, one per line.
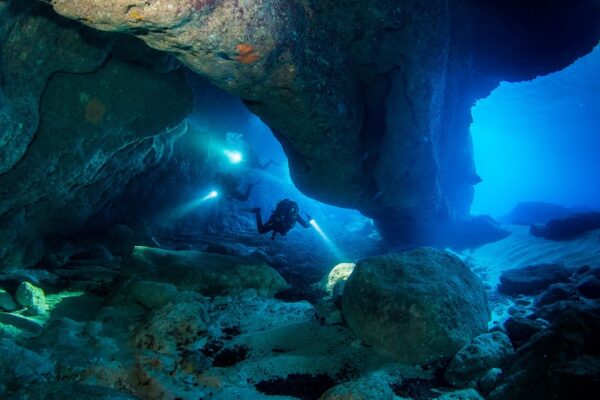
(235,157)
(188,207)
(328,241)
(209,196)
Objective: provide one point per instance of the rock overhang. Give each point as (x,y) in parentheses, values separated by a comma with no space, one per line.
(371,101)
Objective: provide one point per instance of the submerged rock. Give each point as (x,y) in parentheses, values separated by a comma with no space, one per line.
(20,322)
(31,297)
(422,305)
(63,390)
(521,329)
(555,292)
(466,394)
(561,363)
(153,294)
(179,325)
(473,361)
(533,212)
(488,382)
(120,240)
(373,387)
(20,366)
(206,273)
(6,301)
(567,228)
(589,286)
(338,274)
(533,279)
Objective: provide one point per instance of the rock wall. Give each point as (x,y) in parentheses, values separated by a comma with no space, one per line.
(82,113)
(371,100)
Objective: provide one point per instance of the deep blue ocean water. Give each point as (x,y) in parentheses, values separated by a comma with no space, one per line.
(540,140)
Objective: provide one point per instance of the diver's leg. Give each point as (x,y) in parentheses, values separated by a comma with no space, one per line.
(262,228)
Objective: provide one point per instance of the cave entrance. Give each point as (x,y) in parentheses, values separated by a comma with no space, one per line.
(540,141)
(204,206)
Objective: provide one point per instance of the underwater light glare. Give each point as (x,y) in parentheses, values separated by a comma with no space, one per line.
(235,157)
(188,207)
(211,195)
(326,239)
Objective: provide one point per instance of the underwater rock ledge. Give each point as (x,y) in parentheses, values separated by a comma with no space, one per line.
(83,118)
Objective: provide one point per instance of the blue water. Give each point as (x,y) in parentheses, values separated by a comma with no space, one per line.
(540,141)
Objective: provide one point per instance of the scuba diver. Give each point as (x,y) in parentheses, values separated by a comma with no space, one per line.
(283,219)
(228,183)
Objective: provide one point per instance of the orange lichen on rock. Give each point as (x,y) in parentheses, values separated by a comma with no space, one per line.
(94,111)
(136,15)
(247,53)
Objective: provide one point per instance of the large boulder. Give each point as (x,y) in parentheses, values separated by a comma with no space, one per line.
(533,279)
(205,273)
(32,297)
(422,305)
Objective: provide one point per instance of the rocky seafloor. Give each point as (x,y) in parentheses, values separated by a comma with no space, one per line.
(220,322)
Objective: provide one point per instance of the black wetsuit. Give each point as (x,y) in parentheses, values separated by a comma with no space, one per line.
(279,223)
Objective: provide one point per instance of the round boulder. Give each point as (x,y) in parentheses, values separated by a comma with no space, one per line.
(421,305)
(32,297)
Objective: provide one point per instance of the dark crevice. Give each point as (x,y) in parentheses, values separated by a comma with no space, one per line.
(302,386)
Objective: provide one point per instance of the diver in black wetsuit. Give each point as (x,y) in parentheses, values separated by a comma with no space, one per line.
(283,219)
(229,184)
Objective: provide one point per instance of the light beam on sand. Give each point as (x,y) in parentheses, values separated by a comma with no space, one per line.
(336,252)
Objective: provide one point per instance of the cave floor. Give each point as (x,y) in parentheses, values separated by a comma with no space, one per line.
(248,346)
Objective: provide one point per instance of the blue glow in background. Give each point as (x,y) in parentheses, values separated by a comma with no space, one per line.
(540,141)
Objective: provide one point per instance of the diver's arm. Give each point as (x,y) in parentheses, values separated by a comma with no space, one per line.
(303,222)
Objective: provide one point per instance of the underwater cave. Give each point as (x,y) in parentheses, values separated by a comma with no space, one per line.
(305,199)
